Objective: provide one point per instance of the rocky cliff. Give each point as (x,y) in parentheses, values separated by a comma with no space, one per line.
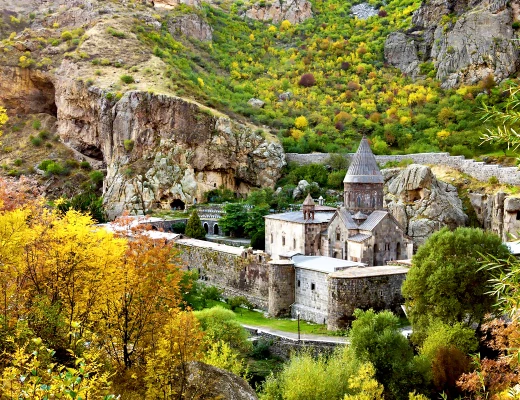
(421,203)
(499,213)
(466,41)
(156,147)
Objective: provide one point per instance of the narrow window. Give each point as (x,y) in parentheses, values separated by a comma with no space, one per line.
(313,286)
(283,240)
(271,238)
(338,235)
(294,243)
(518,215)
(298,283)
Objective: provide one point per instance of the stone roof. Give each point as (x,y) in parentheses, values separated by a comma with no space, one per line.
(373,220)
(359,216)
(297,216)
(356,272)
(347,218)
(309,201)
(324,264)
(359,237)
(363,167)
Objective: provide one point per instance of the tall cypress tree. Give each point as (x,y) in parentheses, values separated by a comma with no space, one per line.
(194,228)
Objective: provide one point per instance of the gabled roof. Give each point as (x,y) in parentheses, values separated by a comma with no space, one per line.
(373,220)
(297,216)
(347,218)
(364,168)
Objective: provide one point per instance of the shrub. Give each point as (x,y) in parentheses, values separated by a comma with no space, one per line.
(85,165)
(516,25)
(493,180)
(96,177)
(307,80)
(71,164)
(18,162)
(66,35)
(345,65)
(43,134)
(238,301)
(127,79)
(36,124)
(35,141)
(382,13)
(55,168)
(43,165)
(179,227)
(129,145)
(116,33)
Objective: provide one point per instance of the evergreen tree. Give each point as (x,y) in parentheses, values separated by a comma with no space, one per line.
(194,228)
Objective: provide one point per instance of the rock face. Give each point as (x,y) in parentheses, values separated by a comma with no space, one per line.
(421,203)
(363,11)
(160,148)
(295,11)
(192,26)
(206,382)
(499,213)
(466,41)
(169,4)
(25,91)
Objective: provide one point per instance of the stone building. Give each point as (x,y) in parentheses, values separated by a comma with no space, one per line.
(360,231)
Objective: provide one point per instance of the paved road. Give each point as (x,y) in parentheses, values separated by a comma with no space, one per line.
(303,336)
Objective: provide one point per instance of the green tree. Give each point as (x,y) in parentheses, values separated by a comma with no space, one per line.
(376,338)
(234,219)
(254,227)
(446,281)
(194,228)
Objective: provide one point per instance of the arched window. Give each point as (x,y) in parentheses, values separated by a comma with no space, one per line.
(206,228)
(294,243)
(376,249)
(359,201)
(271,238)
(283,240)
(398,251)
(215,229)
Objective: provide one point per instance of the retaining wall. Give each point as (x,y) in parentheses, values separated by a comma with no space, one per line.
(475,169)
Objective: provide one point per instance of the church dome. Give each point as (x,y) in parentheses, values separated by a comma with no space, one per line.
(363,167)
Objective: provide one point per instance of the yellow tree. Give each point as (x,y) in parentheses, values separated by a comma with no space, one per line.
(137,303)
(167,365)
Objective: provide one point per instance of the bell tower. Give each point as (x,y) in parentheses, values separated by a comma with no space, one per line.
(363,184)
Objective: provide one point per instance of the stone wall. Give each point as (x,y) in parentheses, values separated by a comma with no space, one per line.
(283,347)
(311,295)
(376,292)
(475,169)
(245,274)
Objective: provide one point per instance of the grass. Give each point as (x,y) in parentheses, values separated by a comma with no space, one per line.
(255,318)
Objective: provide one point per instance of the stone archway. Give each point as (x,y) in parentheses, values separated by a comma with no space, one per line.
(206,227)
(215,229)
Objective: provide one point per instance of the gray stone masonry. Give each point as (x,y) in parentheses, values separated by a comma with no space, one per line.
(475,169)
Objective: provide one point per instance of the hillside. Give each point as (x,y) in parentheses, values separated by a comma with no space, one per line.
(175,98)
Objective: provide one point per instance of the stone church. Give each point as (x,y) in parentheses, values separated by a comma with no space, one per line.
(361,231)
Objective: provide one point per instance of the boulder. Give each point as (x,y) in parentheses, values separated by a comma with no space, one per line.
(256,103)
(285,96)
(363,11)
(207,382)
(421,203)
(300,189)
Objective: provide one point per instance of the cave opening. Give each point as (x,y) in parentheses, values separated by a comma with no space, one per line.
(92,151)
(177,204)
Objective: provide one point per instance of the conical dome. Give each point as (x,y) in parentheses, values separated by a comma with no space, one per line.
(309,201)
(363,168)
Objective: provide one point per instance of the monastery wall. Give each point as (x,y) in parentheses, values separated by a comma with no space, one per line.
(237,271)
(311,303)
(475,169)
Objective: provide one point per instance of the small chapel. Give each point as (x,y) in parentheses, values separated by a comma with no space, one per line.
(362,230)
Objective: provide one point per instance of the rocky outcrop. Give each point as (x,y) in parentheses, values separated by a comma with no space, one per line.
(421,203)
(294,11)
(160,148)
(192,26)
(498,213)
(363,11)
(465,41)
(206,382)
(169,4)
(26,91)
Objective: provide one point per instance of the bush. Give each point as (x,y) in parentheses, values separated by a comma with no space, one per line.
(493,180)
(18,162)
(116,33)
(35,141)
(516,25)
(37,124)
(55,168)
(238,301)
(127,79)
(307,80)
(85,165)
(43,134)
(71,164)
(66,35)
(96,177)
(129,145)
(179,227)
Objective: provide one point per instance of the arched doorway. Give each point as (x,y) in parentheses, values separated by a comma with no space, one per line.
(398,251)
(206,228)
(215,229)
(177,204)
